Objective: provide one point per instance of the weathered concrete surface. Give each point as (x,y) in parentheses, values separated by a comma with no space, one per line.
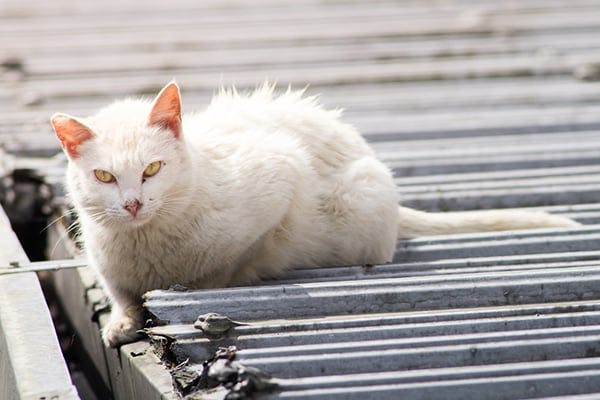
(32,366)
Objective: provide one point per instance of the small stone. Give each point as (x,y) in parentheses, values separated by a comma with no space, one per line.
(213,324)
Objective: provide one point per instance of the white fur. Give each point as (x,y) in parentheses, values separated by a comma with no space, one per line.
(255,185)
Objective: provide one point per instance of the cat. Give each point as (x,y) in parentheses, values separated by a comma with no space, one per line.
(254,185)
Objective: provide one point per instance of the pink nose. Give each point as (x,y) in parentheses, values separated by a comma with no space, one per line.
(133,206)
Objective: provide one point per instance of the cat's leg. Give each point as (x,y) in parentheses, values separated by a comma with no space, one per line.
(364,210)
(126,318)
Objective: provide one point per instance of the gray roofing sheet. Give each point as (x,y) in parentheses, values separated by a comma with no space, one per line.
(495,315)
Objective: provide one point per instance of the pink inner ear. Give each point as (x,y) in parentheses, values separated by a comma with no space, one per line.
(70,132)
(166,111)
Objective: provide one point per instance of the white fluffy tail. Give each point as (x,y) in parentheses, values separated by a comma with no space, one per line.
(413,223)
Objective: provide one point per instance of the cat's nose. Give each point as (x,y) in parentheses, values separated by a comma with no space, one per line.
(132,206)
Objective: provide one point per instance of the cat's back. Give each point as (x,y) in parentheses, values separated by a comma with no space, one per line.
(288,118)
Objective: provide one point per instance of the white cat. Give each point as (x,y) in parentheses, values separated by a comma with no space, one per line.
(250,187)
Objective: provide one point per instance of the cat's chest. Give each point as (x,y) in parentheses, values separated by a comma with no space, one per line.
(163,250)
(159,257)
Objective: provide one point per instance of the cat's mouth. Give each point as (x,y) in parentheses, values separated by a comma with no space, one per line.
(138,220)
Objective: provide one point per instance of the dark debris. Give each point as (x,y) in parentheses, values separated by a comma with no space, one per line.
(176,287)
(221,377)
(100,307)
(28,203)
(12,64)
(185,378)
(162,348)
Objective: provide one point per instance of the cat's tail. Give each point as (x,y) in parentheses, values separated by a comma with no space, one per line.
(413,223)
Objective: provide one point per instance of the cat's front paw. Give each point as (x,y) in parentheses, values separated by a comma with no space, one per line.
(120,331)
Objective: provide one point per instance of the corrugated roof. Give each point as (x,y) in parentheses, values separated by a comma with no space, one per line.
(468,317)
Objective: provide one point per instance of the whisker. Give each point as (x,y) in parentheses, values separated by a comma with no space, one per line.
(57,219)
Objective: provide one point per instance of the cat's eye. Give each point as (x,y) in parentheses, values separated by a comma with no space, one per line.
(104,176)
(152,169)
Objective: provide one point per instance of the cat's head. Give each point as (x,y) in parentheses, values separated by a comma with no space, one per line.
(127,162)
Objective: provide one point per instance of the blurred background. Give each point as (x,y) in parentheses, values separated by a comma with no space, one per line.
(399,68)
(473,104)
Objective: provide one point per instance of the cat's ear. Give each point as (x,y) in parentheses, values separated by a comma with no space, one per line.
(166,110)
(71,133)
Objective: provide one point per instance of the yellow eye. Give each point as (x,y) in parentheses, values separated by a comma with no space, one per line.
(104,176)
(152,169)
